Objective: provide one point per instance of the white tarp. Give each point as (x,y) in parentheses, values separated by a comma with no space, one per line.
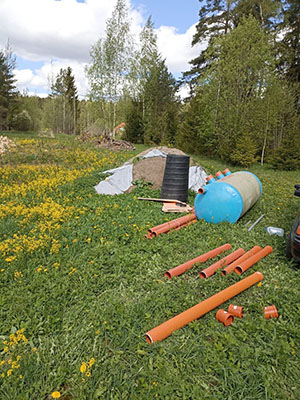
(118,182)
(196,178)
(120,178)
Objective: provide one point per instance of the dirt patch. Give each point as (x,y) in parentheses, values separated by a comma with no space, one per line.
(150,170)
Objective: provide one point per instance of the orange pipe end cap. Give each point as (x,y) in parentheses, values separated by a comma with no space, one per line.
(218,173)
(236,311)
(226,170)
(209,177)
(201,190)
(271,312)
(225,317)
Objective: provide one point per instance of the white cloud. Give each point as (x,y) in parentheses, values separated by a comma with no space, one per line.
(45,29)
(184,92)
(41,78)
(65,30)
(177,48)
(23,77)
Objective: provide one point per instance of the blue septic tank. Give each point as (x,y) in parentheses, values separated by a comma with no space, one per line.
(229,197)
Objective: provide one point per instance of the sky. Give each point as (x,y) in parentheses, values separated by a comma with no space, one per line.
(47,35)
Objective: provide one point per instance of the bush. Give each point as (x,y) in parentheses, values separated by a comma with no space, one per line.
(22,121)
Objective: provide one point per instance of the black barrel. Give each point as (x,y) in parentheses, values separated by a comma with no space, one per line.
(176,178)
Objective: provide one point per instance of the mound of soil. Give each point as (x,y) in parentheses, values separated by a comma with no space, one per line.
(151,169)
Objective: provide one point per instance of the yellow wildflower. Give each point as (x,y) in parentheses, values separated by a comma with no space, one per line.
(92,361)
(55,395)
(83,368)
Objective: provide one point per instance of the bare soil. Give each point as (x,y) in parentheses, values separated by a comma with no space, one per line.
(151,169)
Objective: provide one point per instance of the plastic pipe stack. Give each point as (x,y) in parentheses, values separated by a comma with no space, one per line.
(228,196)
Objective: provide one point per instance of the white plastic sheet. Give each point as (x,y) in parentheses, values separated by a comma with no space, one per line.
(119,179)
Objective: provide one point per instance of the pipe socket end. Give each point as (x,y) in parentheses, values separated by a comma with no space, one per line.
(168,275)
(201,190)
(149,338)
(202,275)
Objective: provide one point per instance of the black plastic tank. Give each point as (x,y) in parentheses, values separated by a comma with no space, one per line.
(176,178)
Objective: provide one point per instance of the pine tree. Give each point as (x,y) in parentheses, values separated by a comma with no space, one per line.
(219,17)
(134,128)
(8,90)
(160,119)
(237,97)
(290,59)
(65,102)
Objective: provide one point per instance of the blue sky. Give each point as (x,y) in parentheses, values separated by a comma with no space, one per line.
(179,13)
(47,35)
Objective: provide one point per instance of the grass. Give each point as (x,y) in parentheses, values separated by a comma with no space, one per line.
(80,285)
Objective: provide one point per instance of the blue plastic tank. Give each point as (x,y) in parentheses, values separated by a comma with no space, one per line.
(229,198)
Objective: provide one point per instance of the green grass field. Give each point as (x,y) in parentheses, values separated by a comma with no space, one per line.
(80,285)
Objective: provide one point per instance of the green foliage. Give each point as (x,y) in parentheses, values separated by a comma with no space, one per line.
(244,151)
(7,87)
(160,119)
(287,155)
(112,58)
(218,18)
(35,107)
(134,129)
(244,109)
(22,121)
(64,97)
(290,44)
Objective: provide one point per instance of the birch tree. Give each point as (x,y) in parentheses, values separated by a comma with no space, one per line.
(110,72)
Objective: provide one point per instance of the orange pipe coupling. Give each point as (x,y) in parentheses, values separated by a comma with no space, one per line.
(165,329)
(174,224)
(243,266)
(180,269)
(271,312)
(237,311)
(231,267)
(225,317)
(207,272)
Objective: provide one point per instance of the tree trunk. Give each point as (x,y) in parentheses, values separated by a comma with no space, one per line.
(74,115)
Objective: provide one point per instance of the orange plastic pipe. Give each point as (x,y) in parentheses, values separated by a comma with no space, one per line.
(237,311)
(271,312)
(165,329)
(243,266)
(207,272)
(231,267)
(174,224)
(164,228)
(180,269)
(225,317)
